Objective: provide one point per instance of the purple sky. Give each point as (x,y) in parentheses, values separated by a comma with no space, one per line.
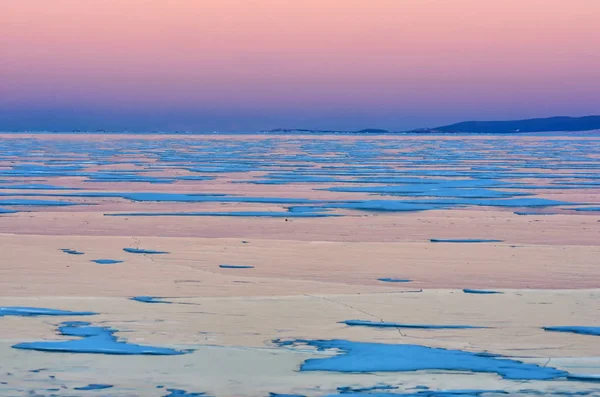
(240,65)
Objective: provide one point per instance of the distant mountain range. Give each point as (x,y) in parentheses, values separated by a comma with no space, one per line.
(550,124)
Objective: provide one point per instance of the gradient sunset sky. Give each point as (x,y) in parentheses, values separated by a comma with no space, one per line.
(243,65)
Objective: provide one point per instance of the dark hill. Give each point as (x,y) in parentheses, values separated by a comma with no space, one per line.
(529,125)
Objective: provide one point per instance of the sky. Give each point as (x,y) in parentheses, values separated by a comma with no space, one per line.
(247,65)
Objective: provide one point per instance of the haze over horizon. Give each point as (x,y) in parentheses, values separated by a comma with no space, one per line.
(239,65)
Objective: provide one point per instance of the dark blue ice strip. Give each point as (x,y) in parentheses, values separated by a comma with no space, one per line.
(36,186)
(143,251)
(463,240)
(534,213)
(22,311)
(236,267)
(383,324)
(149,299)
(480,291)
(363,205)
(394,280)
(424,393)
(35,203)
(94,386)
(583,330)
(251,214)
(71,252)
(426,190)
(584,378)
(285,395)
(385,206)
(171,197)
(350,389)
(183,393)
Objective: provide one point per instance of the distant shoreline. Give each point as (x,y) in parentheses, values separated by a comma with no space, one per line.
(559,124)
(304,133)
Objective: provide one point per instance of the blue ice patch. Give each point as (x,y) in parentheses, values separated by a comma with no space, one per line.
(362,357)
(106,261)
(94,340)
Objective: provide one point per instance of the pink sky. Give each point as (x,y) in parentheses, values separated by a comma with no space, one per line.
(252,64)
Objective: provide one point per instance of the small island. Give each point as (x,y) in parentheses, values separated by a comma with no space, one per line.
(319,131)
